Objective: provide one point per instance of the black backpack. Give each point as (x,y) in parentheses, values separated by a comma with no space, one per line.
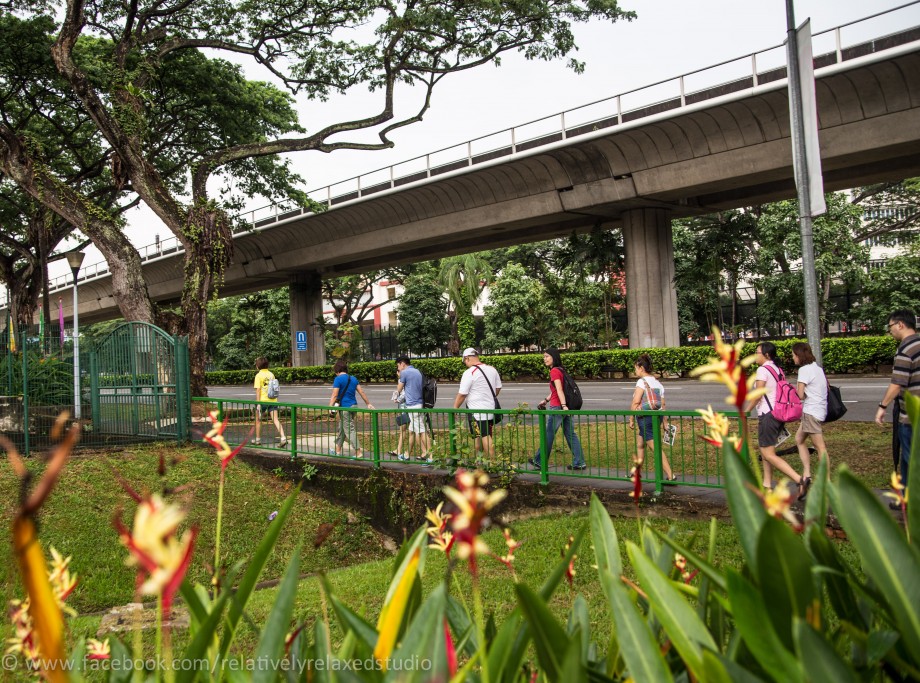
(573,400)
(429,391)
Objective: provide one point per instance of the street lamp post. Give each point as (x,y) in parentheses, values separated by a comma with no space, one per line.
(75,260)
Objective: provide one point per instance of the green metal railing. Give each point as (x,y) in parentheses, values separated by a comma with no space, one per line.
(608,444)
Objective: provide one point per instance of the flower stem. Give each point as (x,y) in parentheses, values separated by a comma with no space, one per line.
(159,637)
(220,514)
(480,629)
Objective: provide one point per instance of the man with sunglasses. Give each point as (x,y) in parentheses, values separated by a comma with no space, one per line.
(905,376)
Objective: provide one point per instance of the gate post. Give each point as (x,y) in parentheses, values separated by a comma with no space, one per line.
(25,392)
(94,390)
(183,400)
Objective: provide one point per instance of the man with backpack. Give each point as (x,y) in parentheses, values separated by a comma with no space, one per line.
(412,383)
(265,384)
(480,385)
(771,416)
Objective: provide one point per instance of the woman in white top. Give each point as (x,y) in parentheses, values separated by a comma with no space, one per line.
(768,427)
(812,389)
(645,385)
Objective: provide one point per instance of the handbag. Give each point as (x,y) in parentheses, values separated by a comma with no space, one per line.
(836,408)
(496,417)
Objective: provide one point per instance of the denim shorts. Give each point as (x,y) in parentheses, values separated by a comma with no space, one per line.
(645,426)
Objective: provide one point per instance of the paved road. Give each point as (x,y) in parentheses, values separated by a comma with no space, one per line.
(861,394)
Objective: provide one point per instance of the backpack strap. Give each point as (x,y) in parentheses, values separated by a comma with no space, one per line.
(494,397)
(776,377)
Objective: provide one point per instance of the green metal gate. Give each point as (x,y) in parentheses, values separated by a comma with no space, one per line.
(139,385)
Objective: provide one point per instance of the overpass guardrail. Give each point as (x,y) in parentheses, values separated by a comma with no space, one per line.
(869,35)
(609,445)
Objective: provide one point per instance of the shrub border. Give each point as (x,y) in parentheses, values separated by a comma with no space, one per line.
(841,355)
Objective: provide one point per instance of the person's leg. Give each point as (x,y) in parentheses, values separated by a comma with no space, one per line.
(488,443)
(665,463)
(258,438)
(905,436)
(353,434)
(340,435)
(571,438)
(399,442)
(552,424)
(804,455)
(278,426)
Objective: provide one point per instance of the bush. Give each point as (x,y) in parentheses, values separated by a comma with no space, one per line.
(841,355)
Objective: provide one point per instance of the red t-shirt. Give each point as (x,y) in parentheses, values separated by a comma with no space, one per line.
(554,399)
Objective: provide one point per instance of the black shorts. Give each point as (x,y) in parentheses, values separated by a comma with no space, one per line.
(480,427)
(768,429)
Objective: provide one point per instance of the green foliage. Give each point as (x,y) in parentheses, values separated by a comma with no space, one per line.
(517,315)
(894,286)
(50,377)
(422,313)
(248,326)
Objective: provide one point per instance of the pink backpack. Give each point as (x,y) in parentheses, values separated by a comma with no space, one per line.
(788,406)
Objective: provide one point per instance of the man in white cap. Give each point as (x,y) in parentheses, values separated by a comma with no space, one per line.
(479,387)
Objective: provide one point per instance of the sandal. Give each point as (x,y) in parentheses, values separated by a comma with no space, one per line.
(804,485)
(671,482)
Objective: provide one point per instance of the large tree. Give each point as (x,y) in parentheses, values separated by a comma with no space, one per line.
(312,49)
(463,279)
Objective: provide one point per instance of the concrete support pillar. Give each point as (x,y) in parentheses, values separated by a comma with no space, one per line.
(306,309)
(651,302)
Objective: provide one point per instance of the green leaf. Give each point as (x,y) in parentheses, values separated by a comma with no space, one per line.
(550,639)
(834,572)
(250,578)
(912,406)
(638,646)
(462,625)
(604,536)
(816,503)
(580,620)
(714,670)
(756,628)
(679,620)
(351,622)
(879,644)
(423,642)
(784,573)
(120,662)
(573,664)
(204,636)
(887,558)
(747,509)
(418,540)
(821,661)
(271,644)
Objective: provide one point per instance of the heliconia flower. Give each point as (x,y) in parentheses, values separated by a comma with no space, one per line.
(215,437)
(636,475)
(508,558)
(728,369)
(451,650)
(778,502)
(680,562)
(570,570)
(441,538)
(899,495)
(24,640)
(62,583)
(471,517)
(161,557)
(97,650)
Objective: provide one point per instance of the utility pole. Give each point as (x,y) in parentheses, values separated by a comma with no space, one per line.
(807,164)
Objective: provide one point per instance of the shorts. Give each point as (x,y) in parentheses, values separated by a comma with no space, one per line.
(810,425)
(480,427)
(416,421)
(768,429)
(268,409)
(645,426)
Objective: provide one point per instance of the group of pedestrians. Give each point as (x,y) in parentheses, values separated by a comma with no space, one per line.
(480,386)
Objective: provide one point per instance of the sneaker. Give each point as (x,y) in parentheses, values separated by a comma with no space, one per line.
(671,482)
(256,442)
(804,485)
(402,457)
(576,467)
(534,463)
(428,462)
(284,442)
(332,452)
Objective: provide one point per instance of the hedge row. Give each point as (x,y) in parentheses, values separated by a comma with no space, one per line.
(841,355)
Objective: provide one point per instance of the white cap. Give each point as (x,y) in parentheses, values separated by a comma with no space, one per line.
(470,352)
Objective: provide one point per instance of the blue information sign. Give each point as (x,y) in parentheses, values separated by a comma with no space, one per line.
(300,338)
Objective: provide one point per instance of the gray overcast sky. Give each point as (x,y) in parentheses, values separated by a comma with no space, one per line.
(669,37)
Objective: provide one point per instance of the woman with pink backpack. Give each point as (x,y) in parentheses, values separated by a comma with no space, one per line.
(779,400)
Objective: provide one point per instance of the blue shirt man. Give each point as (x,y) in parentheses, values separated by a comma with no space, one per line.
(410,381)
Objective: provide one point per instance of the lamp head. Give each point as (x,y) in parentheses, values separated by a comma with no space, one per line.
(75,260)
